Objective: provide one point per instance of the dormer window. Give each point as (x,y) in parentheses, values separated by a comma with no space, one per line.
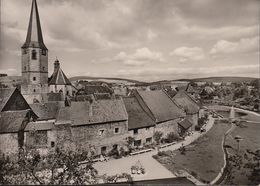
(34,54)
(44,52)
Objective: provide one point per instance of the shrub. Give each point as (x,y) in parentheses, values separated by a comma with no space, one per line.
(157,136)
(171,137)
(197,127)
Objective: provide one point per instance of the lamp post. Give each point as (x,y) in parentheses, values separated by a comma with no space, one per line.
(238,139)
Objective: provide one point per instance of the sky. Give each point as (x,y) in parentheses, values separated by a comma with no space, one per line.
(144,40)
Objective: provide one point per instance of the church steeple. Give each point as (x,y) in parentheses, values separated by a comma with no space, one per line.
(34,33)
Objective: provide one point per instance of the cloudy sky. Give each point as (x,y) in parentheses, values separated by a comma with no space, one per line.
(139,39)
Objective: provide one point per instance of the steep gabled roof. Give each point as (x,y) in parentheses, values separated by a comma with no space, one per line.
(45,111)
(137,117)
(5,95)
(34,33)
(185,101)
(11,121)
(160,104)
(103,111)
(59,78)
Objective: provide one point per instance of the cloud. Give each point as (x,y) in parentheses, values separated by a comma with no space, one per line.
(141,57)
(244,45)
(186,53)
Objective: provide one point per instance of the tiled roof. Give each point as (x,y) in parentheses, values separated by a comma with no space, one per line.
(184,100)
(137,117)
(185,124)
(103,111)
(45,111)
(5,94)
(39,126)
(34,33)
(59,78)
(11,121)
(160,104)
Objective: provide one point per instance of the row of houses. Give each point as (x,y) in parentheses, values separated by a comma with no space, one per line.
(96,125)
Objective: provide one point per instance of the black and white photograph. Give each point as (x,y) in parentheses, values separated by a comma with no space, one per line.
(129,92)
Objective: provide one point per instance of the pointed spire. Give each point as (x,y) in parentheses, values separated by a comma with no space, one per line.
(34,33)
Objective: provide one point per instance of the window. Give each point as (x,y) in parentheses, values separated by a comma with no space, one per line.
(34,90)
(116,130)
(52,144)
(135,131)
(40,138)
(43,68)
(101,132)
(34,78)
(34,54)
(103,150)
(24,68)
(44,52)
(137,142)
(148,140)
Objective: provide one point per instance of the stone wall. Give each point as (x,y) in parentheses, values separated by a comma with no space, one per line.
(29,138)
(143,134)
(88,137)
(9,143)
(167,127)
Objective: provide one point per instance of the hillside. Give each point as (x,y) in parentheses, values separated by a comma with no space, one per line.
(221,79)
(76,78)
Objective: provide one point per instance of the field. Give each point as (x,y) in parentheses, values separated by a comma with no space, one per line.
(203,159)
(251,141)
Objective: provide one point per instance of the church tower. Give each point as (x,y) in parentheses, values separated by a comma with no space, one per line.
(34,59)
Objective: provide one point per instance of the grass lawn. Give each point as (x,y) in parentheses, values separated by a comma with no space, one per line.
(203,159)
(251,141)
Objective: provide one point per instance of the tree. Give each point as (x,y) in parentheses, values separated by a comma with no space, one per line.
(58,167)
(157,136)
(253,163)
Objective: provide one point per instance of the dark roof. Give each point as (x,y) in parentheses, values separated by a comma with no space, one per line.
(137,117)
(92,89)
(11,121)
(103,111)
(39,126)
(5,94)
(160,104)
(171,92)
(184,100)
(45,111)
(34,33)
(59,78)
(185,123)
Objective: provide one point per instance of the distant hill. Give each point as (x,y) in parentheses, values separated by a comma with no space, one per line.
(221,79)
(76,78)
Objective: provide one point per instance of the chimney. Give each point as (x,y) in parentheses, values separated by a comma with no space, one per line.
(56,65)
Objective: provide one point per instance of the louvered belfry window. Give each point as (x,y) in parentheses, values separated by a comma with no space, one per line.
(34,54)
